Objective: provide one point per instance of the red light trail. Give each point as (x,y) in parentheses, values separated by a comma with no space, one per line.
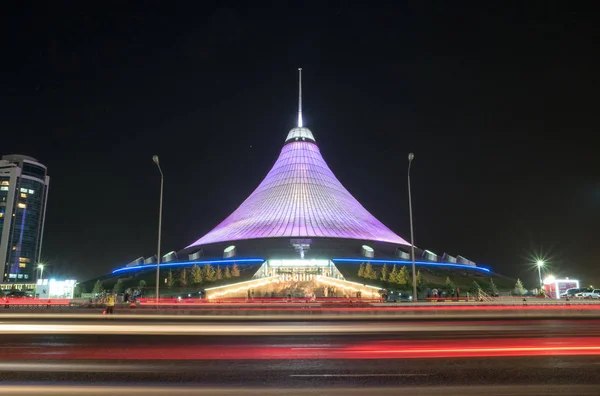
(367,350)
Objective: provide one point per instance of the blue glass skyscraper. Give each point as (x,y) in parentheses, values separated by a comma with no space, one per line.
(23,196)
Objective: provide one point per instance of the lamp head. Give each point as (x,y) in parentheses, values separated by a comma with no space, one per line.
(155,159)
(40,265)
(540,263)
(411,156)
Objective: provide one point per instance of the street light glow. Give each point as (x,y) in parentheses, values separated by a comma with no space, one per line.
(540,263)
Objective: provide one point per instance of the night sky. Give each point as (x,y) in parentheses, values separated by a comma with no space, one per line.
(498,103)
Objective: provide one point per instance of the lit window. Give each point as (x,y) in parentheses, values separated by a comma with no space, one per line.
(30,191)
(5,183)
(368,251)
(229,251)
(22,265)
(24,259)
(23,195)
(3,188)
(23,190)
(1,214)
(22,206)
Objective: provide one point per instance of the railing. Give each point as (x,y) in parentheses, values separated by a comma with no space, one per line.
(483,296)
(254,300)
(451,299)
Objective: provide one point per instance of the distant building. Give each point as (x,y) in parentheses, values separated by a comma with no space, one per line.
(23,197)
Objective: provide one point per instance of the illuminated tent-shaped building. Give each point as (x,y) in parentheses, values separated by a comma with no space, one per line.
(298,223)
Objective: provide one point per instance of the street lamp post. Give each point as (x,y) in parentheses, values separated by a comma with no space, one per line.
(411,156)
(41,268)
(155,159)
(540,264)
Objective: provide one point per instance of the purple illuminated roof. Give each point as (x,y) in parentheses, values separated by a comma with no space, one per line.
(300,197)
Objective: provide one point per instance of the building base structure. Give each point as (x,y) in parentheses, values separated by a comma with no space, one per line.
(292,277)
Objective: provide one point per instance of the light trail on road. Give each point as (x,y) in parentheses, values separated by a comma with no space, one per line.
(97,390)
(392,349)
(256,328)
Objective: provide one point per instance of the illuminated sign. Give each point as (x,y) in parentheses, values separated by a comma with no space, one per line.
(298,263)
(52,288)
(555,287)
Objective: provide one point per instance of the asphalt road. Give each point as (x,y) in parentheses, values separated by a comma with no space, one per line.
(248,358)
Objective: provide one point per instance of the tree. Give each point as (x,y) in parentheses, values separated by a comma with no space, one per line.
(493,288)
(196,275)
(420,282)
(219,273)
(98,287)
(142,284)
(361,270)
(183,280)
(474,290)
(235,270)
(449,286)
(519,289)
(118,288)
(373,275)
(209,272)
(393,275)
(79,290)
(370,273)
(170,280)
(385,272)
(403,276)
(227,273)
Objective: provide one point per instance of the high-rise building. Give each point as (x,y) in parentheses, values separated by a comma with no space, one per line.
(23,196)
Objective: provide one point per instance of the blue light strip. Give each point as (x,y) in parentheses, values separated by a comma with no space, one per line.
(405,262)
(189,263)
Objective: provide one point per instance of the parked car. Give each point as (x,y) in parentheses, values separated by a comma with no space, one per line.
(399,296)
(571,292)
(18,294)
(190,296)
(589,293)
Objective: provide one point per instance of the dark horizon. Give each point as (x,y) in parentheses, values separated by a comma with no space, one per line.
(496,102)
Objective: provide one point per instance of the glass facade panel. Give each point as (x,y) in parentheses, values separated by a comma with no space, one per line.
(33,170)
(22,209)
(26,230)
(4,182)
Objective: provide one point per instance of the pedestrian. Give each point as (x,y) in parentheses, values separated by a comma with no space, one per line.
(457,292)
(110,304)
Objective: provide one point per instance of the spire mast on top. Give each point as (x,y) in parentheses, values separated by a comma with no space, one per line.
(299,97)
